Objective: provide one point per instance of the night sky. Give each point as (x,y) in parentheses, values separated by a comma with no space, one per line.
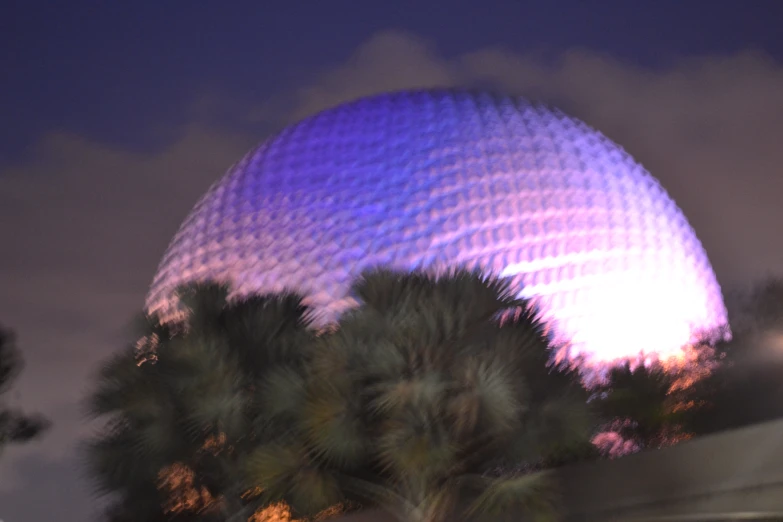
(116,116)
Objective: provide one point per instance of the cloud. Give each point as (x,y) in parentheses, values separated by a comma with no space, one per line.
(389,61)
(84,224)
(708,127)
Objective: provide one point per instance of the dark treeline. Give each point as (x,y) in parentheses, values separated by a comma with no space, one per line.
(418,401)
(434,395)
(15,425)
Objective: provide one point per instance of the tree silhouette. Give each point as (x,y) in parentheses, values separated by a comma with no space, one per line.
(644,407)
(15,426)
(414,400)
(747,387)
(182,408)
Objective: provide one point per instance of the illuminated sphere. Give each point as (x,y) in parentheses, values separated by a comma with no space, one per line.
(441,178)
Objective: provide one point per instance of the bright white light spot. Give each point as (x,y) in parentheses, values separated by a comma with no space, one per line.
(443,179)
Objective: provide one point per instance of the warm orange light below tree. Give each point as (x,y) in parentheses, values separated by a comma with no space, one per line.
(178,483)
(674,396)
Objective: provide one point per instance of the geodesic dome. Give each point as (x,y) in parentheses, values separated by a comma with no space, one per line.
(444,178)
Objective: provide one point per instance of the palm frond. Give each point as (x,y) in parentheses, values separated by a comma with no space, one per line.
(204,302)
(488,397)
(375,493)
(314,490)
(118,376)
(333,424)
(415,443)
(285,472)
(422,391)
(386,290)
(113,464)
(272,468)
(474,294)
(267,330)
(383,361)
(282,392)
(532,493)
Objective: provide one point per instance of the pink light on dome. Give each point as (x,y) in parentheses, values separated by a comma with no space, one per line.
(631,300)
(442,178)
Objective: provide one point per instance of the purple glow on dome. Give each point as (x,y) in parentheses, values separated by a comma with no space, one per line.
(441,178)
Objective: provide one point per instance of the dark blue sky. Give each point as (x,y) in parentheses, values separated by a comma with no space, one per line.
(111,70)
(116,115)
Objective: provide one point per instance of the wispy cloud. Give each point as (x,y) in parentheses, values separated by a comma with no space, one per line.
(83,224)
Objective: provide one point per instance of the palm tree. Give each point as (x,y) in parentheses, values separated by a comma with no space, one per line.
(15,426)
(182,407)
(413,401)
(646,406)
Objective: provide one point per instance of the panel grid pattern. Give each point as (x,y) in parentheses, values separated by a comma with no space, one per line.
(445,178)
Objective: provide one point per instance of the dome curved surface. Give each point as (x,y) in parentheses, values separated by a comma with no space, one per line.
(443,178)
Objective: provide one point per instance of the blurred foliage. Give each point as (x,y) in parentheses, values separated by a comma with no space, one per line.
(427,396)
(183,408)
(422,401)
(747,387)
(734,384)
(15,426)
(643,407)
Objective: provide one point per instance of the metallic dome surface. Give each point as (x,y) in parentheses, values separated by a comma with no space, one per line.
(434,179)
